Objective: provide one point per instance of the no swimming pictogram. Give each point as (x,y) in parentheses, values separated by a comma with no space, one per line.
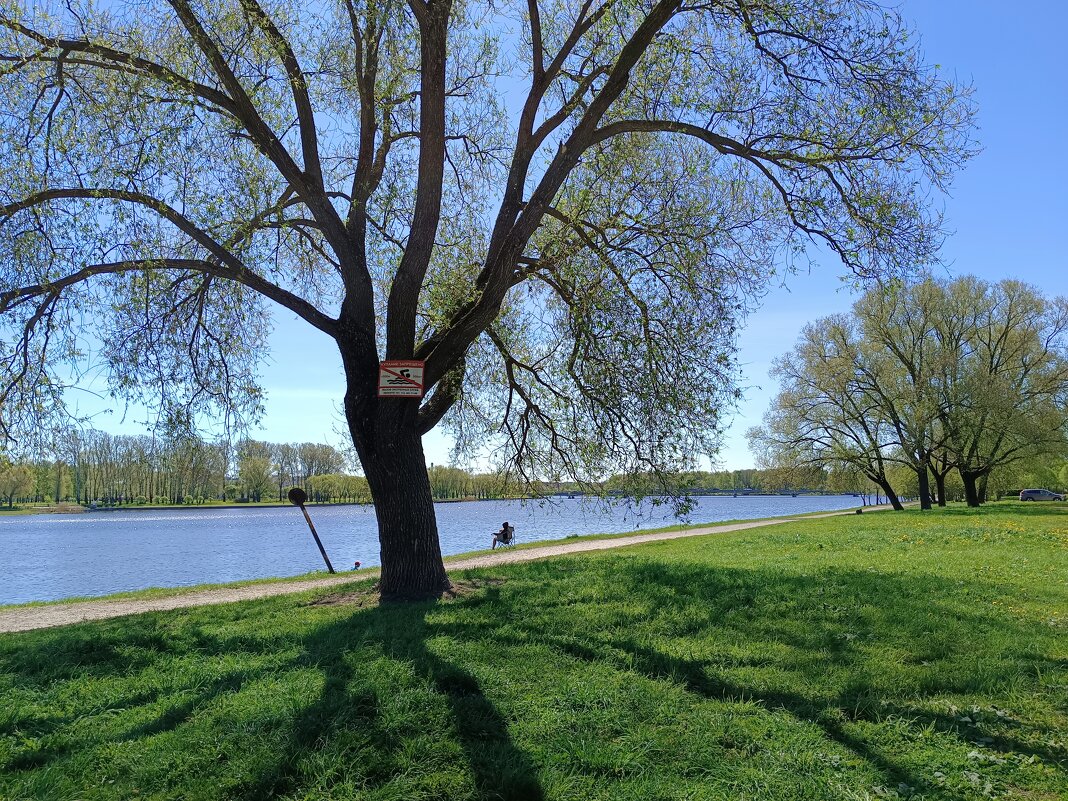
(400,378)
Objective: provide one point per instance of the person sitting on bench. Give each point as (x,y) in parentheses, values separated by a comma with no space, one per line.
(504,536)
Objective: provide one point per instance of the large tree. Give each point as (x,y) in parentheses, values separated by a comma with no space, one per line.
(1002,388)
(933,375)
(898,362)
(831,408)
(563,209)
(16,481)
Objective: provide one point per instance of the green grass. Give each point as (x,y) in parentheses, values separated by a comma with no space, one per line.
(168,592)
(872,657)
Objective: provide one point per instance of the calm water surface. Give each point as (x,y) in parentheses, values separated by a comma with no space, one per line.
(46,557)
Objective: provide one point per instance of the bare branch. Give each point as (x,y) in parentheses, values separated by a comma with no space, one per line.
(224,265)
(299,86)
(265,139)
(114,59)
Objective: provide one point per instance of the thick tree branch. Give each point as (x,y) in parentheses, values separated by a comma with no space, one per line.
(537,49)
(446,394)
(298,85)
(442,349)
(407,285)
(282,297)
(225,264)
(526,143)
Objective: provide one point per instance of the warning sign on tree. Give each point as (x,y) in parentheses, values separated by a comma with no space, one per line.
(400,379)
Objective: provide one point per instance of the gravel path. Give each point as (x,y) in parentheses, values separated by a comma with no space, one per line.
(26,618)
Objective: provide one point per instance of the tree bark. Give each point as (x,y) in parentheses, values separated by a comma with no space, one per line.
(971,490)
(407,527)
(925,486)
(390,448)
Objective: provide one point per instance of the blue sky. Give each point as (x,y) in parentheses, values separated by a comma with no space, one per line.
(1008,212)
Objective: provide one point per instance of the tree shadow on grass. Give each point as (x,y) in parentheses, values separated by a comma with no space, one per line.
(498,768)
(811,646)
(338,734)
(834,625)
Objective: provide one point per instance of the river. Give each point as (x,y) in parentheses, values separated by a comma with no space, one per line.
(48,557)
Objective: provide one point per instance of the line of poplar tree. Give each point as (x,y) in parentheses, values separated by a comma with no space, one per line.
(101,468)
(95,467)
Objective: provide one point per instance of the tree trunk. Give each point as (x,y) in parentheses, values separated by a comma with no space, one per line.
(891,496)
(971,491)
(940,484)
(390,449)
(925,486)
(407,528)
(940,474)
(981,487)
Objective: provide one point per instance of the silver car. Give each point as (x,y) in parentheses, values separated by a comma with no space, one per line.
(1039,495)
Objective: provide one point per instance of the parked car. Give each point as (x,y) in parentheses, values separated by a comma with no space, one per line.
(1039,495)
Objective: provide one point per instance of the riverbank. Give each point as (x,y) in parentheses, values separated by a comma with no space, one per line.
(65,508)
(26,617)
(214,505)
(883,656)
(52,557)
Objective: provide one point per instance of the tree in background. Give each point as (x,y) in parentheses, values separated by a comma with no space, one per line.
(93,466)
(828,411)
(935,376)
(449,483)
(572,270)
(318,459)
(192,468)
(255,469)
(896,365)
(286,467)
(338,488)
(16,481)
(1002,393)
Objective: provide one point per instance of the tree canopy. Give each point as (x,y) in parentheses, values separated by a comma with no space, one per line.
(933,375)
(563,209)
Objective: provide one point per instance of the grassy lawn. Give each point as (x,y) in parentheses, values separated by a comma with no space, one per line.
(871,657)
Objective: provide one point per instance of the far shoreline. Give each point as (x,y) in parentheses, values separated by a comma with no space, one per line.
(73,508)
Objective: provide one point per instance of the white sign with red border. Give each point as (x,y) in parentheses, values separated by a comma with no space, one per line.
(400,378)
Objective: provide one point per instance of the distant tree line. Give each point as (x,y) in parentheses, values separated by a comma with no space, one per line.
(702,481)
(95,467)
(778,479)
(926,384)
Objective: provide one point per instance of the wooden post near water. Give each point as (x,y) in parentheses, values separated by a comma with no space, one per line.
(297,497)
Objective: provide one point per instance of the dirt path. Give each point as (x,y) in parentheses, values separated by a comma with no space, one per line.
(26,618)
